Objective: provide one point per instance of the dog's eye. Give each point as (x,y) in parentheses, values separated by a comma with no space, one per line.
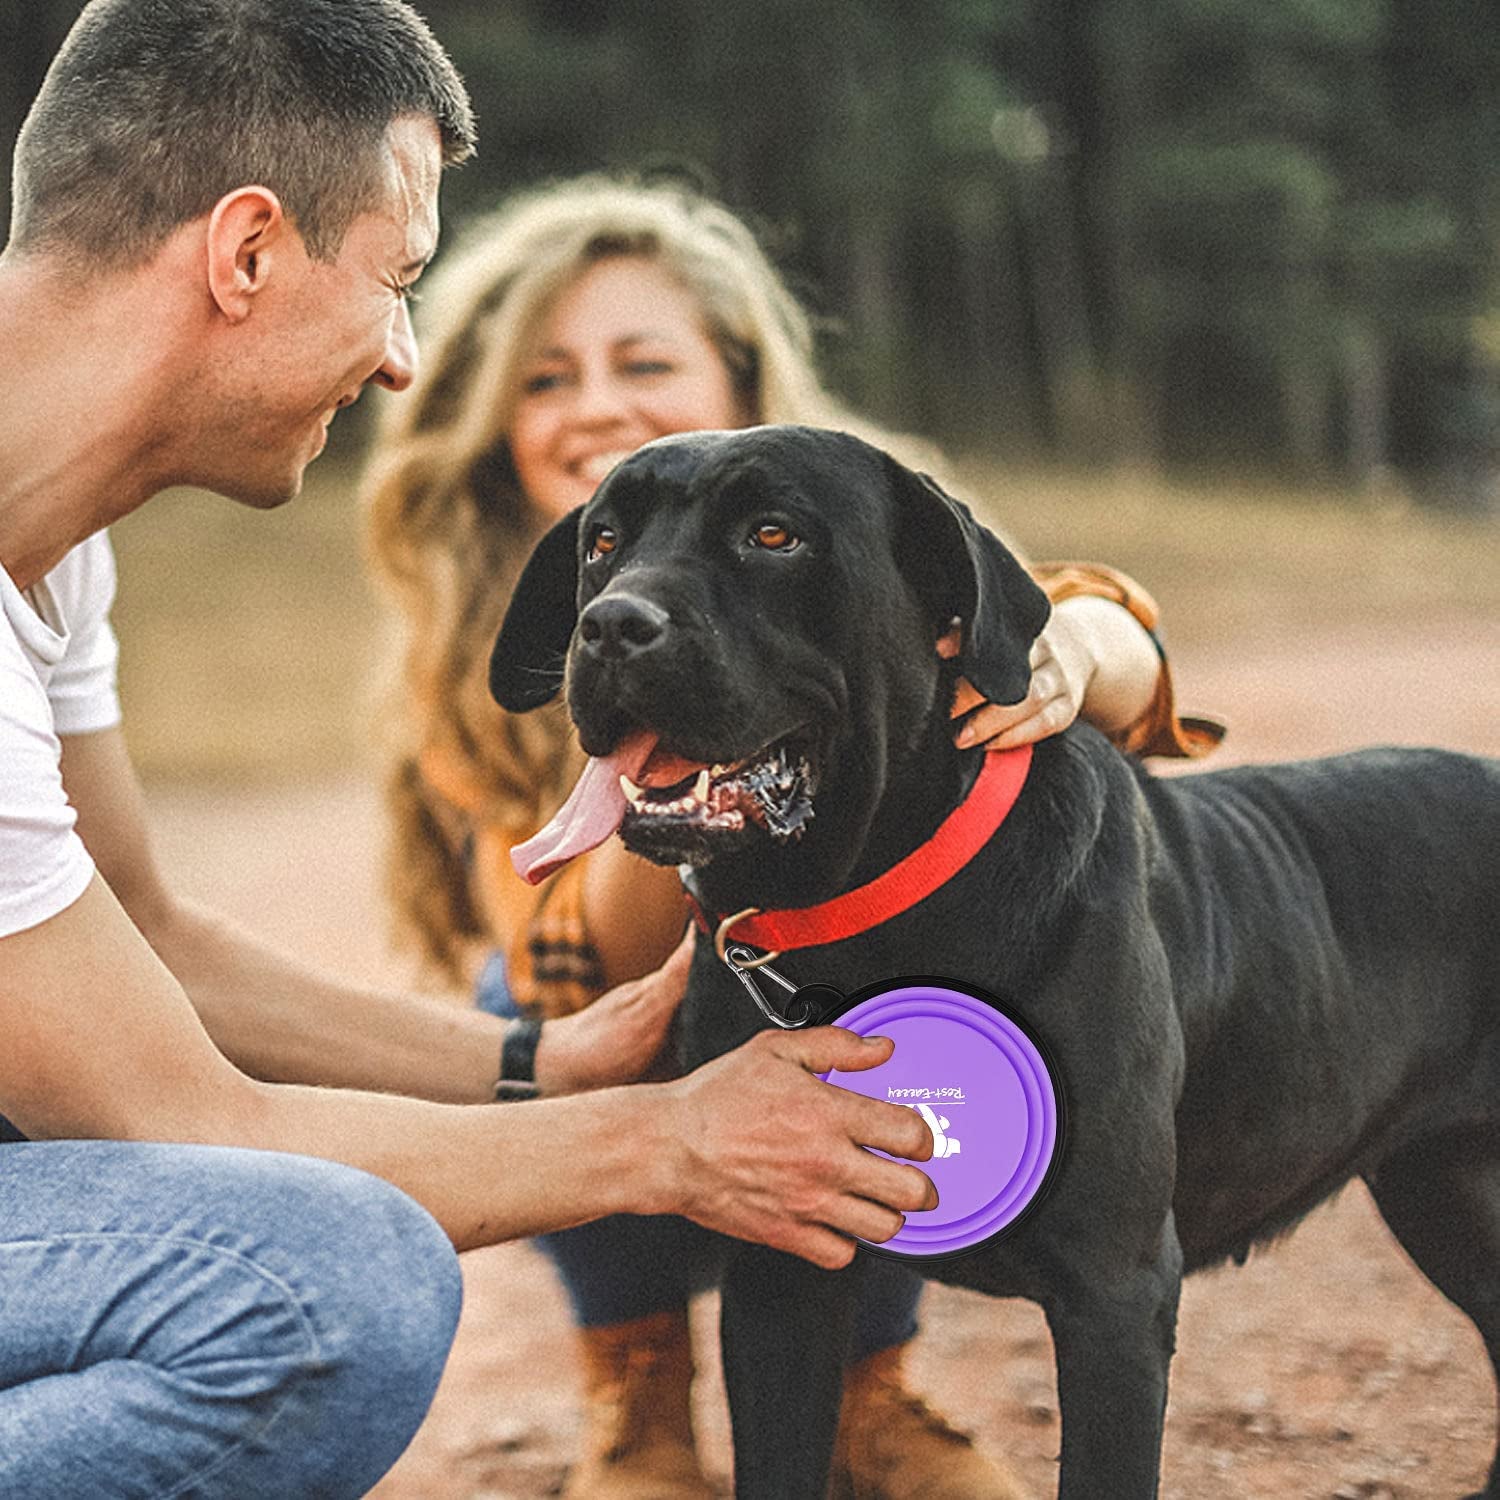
(604,542)
(776,537)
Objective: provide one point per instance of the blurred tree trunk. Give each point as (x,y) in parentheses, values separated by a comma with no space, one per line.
(1367,384)
(992,317)
(1123,37)
(1069,369)
(871,290)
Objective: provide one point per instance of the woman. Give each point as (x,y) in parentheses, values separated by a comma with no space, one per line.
(583,320)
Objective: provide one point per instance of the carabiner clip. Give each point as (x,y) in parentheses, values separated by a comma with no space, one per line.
(740,960)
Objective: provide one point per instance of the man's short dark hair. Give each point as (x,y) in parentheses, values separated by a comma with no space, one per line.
(154,109)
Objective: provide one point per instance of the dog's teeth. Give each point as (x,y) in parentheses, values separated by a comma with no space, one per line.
(634,795)
(700,786)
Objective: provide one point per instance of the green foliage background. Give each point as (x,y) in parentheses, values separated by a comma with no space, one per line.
(1263,233)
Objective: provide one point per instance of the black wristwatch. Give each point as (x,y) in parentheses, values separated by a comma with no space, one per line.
(518,1062)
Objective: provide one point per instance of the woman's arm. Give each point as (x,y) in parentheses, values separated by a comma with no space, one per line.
(1098,658)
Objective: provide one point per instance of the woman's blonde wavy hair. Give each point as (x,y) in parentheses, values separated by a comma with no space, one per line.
(449,527)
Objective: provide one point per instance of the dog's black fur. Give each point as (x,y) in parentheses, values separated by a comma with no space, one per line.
(1257,984)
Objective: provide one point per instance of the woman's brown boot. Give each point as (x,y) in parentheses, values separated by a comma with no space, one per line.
(893,1446)
(638,1430)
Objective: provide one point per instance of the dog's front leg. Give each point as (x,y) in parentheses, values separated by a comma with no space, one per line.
(785,1332)
(1113,1340)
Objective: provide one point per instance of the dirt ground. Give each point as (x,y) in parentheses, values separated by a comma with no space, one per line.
(1327,1368)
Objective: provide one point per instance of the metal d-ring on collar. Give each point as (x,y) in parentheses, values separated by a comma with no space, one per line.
(742,960)
(721,937)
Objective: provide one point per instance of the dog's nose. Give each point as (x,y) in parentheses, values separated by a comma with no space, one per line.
(621,626)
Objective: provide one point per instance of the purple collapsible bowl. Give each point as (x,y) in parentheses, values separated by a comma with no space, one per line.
(981,1080)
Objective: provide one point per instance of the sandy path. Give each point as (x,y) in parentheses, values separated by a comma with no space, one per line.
(1327,1368)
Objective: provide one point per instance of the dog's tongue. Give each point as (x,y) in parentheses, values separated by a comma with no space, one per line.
(592,812)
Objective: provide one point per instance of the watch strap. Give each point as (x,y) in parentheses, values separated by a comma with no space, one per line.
(518,1061)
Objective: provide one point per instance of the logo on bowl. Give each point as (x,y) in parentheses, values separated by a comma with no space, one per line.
(943,1144)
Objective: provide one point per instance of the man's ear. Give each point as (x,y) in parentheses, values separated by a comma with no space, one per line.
(247,230)
(962,570)
(526,666)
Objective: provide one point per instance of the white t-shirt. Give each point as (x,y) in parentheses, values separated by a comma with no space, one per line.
(57,676)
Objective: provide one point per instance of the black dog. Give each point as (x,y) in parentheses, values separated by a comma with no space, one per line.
(1256,984)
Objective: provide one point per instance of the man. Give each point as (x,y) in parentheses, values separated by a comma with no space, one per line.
(219,206)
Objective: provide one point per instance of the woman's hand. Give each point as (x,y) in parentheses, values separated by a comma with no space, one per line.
(1061,670)
(1092,658)
(618,1037)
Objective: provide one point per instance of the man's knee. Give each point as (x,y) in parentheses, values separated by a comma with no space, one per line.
(380,1287)
(258,1323)
(384,1284)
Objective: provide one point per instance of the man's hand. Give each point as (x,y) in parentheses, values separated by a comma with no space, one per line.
(766,1151)
(618,1037)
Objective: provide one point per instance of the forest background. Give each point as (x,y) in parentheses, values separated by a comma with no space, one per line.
(1175,233)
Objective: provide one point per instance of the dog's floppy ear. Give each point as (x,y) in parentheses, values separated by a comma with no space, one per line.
(526,666)
(961,569)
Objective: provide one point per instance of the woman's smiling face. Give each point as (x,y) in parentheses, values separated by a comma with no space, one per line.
(621,358)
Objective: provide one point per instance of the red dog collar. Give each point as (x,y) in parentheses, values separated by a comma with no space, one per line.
(960,836)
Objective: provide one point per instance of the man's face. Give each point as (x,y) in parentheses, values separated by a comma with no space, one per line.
(321,331)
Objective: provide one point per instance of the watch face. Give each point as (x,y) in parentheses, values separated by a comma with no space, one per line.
(979,1078)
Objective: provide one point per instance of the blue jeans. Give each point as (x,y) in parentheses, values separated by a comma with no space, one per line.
(630,1266)
(210,1322)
